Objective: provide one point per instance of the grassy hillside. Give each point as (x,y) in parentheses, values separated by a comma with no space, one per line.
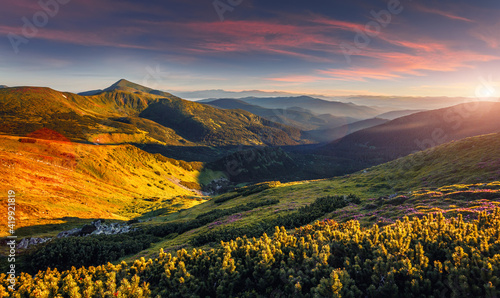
(455,179)
(130,113)
(209,125)
(79,118)
(58,182)
(462,175)
(379,195)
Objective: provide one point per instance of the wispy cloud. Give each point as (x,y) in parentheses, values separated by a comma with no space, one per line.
(443,13)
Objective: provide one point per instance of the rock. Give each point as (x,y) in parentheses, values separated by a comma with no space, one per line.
(110,229)
(68,233)
(87,229)
(27,242)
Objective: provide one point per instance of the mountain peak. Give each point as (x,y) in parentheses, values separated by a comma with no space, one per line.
(128,86)
(125,85)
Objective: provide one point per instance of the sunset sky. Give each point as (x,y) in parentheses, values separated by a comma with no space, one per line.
(438,48)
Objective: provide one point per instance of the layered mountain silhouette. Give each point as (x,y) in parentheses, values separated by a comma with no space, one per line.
(294,116)
(397,114)
(315,105)
(415,132)
(331,134)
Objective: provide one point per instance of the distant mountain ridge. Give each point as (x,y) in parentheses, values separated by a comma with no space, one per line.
(316,105)
(331,134)
(219,93)
(416,132)
(398,114)
(294,116)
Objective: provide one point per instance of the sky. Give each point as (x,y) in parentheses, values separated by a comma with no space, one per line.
(330,47)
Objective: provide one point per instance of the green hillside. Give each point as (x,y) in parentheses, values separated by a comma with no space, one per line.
(59,182)
(370,197)
(130,113)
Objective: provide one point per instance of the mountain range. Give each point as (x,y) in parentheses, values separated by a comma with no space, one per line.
(219,93)
(416,132)
(130,113)
(315,105)
(294,116)
(245,196)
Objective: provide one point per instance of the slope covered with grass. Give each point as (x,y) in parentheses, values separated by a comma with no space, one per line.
(459,177)
(130,113)
(55,180)
(449,248)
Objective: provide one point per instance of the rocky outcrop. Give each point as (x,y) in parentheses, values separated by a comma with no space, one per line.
(73,232)
(97,227)
(217,186)
(109,229)
(27,242)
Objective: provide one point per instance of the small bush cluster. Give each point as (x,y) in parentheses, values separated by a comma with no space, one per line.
(303,216)
(247,190)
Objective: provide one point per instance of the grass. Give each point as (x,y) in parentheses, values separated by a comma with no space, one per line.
(54,180)
(388,192)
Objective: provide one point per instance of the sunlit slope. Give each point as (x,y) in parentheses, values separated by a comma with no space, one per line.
(106,118)
(130,113)
(462,176)
(55,179)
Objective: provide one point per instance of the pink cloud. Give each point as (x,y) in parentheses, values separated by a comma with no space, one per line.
(342,25)
(258,35)
(443,13)
(394,65)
